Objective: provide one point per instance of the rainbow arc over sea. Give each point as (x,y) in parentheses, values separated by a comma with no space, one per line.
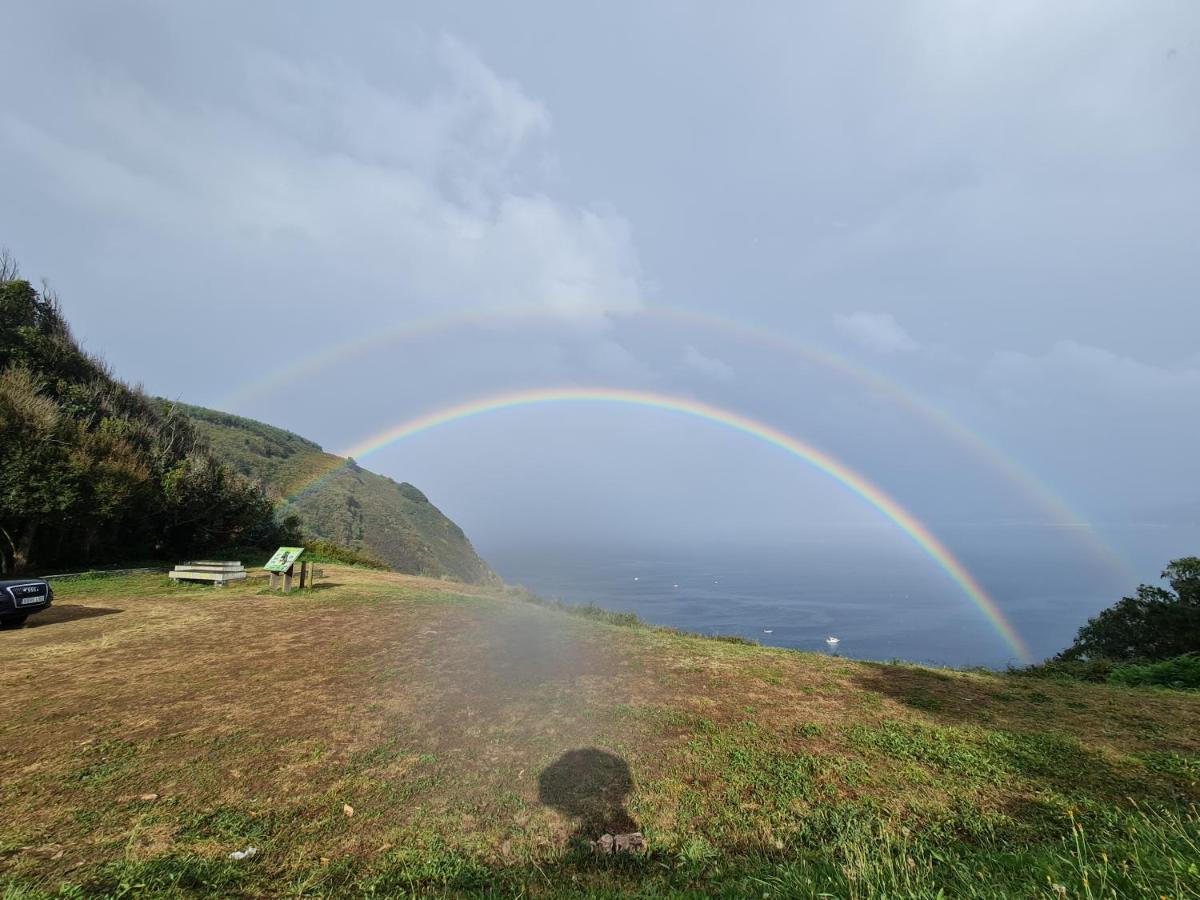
(760,431)
(1058,513)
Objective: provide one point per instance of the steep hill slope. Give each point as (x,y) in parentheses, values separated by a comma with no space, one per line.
(352,506)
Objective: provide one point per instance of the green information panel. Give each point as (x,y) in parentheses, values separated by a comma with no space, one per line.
(283,559)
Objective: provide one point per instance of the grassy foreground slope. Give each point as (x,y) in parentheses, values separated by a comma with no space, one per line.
(355,508)
(386,735)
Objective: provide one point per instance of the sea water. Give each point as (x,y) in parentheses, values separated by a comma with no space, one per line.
(881,600)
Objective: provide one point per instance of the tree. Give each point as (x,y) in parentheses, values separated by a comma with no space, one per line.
(36,477)
(1153,624)
(90,468)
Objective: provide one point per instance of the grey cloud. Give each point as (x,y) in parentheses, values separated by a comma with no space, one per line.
(1094,370)
(876,331)
(413,191)
(708,366)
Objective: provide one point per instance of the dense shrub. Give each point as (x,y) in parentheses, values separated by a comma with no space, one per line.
(1180,672)
(1095,669)
(327,551)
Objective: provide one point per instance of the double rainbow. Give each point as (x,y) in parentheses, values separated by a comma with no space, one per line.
(856,483)
(1058,513)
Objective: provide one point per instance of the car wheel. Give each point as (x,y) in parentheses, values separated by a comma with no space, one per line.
(13,621)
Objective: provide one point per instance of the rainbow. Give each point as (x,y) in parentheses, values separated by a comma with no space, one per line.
(856,483)
(1059,514)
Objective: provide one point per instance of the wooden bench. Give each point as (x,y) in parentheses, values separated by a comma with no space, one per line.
(218,572)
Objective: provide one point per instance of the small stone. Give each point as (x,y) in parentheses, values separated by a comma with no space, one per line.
(347,810)
(148,798)
(634,842)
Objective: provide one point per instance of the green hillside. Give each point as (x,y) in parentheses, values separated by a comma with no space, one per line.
(351,506)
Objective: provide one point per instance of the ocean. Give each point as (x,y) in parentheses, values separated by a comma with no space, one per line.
(883,600)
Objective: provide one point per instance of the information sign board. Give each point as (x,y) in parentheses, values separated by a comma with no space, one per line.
(283,559)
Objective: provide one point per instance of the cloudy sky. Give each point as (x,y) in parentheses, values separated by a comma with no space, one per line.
(953,244)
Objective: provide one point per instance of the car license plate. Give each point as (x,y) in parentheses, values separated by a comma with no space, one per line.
(29,594)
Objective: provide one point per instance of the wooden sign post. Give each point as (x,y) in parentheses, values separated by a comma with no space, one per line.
(282,567)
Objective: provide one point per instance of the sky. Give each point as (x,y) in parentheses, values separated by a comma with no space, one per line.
(952,245)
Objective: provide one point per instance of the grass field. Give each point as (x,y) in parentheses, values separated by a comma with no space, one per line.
(386,735)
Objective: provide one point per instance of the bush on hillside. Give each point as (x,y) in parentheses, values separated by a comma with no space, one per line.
(327,551)
(93,471)
(1154,624)
(1180,672)
(1095,669)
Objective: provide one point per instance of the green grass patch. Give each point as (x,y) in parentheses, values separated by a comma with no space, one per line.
(1183,766)
(228,826)
(923,701)
(104,760)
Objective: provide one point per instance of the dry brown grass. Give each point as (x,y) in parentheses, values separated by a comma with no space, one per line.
(432,708)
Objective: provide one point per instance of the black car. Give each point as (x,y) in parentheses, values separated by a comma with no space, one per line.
(20,598)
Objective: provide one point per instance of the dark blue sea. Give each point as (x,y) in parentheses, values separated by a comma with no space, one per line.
(882,599)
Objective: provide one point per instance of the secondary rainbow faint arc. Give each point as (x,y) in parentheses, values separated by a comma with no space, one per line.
(864,376)
(873,495)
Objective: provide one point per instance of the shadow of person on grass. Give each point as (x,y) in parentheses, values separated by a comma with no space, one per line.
(589,785)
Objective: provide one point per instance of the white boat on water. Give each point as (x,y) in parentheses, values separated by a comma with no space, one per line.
(831,640)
